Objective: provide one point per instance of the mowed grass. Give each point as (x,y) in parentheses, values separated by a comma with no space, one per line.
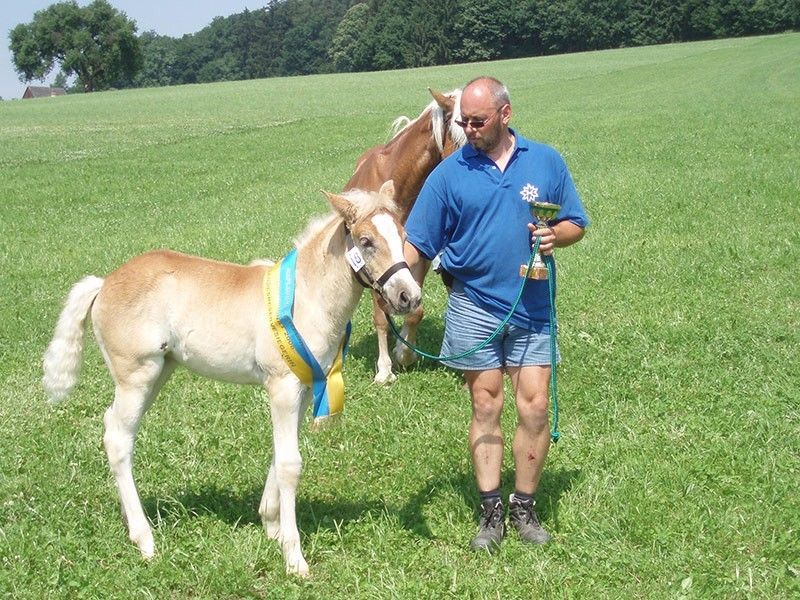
(677,473)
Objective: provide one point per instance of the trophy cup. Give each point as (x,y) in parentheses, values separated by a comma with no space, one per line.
(542,212)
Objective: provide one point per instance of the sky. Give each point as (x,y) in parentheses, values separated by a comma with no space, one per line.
(165,17)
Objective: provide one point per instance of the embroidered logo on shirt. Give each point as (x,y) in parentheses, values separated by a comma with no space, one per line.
(529,193)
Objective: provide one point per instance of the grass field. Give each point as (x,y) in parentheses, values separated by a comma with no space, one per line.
(677,473)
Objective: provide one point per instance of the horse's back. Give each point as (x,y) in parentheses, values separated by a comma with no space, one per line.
(371,170)
(159,272)
(168,303)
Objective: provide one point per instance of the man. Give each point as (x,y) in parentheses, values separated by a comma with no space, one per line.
(473,212)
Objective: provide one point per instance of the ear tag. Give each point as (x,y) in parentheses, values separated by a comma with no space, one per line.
(355,258)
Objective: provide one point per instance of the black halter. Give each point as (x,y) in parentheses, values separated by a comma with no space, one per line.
(364,276)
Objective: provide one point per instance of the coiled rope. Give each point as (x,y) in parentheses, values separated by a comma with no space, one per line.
(550,263)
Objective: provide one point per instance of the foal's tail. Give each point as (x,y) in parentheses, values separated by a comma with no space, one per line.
(62,360)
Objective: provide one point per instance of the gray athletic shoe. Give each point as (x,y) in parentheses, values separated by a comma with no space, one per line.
(492,526)
(524,519)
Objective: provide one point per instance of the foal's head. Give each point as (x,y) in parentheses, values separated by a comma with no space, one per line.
(375,245)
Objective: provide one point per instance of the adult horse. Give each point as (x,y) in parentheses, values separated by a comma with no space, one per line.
(407,159)
(163,309)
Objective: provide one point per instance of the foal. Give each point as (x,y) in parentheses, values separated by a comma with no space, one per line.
(164,309)
(408,159)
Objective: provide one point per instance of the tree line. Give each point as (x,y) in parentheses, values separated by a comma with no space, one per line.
(300,37)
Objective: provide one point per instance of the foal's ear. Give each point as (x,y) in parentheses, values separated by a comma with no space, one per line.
(446,103)
(387,189)
(343,206)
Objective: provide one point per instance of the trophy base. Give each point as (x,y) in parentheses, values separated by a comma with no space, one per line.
(537,273)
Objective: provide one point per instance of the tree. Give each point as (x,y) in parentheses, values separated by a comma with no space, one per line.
(60,81)
(159,54)
(346,39)
(481,29)
(306,42)
(432,30)
(97,43)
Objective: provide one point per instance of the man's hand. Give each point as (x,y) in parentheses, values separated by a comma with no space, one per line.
(547,238)
(560,235)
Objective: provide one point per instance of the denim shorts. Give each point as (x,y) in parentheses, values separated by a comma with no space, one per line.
(467,325)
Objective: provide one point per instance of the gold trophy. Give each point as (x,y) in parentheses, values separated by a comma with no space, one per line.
(542,212)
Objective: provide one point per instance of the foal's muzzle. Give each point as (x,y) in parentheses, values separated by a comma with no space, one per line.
(408,298)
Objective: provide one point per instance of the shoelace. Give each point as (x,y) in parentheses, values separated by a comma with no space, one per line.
(524,512)
(493,516)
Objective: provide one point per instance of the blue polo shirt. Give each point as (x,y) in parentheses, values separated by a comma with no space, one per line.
(477,217)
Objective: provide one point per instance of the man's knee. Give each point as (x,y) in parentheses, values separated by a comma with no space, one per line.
(533,409)
(487,403)
(486,407)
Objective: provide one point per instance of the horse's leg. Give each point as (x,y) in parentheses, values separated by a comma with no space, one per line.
(269,509)
(133,395)
(286,402)
(384,373)
(403,354)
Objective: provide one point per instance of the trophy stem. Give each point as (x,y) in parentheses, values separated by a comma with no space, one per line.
(542,212)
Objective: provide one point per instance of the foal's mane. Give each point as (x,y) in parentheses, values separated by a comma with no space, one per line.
(364,202)
(457,134)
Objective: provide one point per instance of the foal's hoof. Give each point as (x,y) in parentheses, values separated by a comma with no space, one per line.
(147,547)
(384,377)
(141,535)
(296,564)
(298,570)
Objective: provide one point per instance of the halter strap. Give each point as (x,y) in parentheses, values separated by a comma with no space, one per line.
(398,266)
(363,275)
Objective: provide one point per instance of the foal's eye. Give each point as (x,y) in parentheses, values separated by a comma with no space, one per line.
(365,242)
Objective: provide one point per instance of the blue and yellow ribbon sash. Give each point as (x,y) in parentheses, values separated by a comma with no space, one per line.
(328,389)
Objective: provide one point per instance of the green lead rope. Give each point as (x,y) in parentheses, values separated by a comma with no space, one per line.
(549,261)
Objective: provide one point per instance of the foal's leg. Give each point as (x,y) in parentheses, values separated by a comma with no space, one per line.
(384,373)
(286,401)
(133,395)
(269,509)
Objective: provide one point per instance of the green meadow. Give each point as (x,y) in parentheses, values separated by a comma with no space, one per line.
(679,392)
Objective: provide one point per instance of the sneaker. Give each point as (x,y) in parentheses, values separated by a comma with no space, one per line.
(492,526)
(524,519)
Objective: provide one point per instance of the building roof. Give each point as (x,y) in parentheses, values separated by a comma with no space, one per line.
(35,91)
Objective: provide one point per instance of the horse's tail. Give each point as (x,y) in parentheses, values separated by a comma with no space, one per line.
(62,360)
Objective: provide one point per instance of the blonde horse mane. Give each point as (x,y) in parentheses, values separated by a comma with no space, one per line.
(364,202)
(400,124)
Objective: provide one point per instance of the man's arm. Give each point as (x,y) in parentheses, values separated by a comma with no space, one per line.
(560,235)
(417,263)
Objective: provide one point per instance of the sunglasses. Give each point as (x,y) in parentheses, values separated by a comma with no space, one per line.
(476,123)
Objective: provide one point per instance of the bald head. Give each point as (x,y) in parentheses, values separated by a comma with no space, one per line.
(485,114)
(487,88)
